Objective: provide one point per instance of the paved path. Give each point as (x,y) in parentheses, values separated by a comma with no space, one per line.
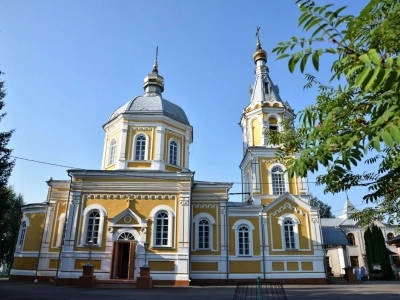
(42,291)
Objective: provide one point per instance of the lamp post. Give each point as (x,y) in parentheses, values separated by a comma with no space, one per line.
(90,252)
(146,246)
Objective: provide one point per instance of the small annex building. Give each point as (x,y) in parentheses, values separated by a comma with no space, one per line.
(145,192)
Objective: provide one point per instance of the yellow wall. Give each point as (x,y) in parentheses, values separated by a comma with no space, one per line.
(307,266)
(292,266)
(79,263)
(162,265)
(256,132)
(25,263)
(278,266)
(214,212)
(266,186)
(204,266)
(245,266)
(34,232)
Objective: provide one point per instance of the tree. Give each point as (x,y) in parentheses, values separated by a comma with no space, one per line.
(6,166)
(376,251)
(324,209)
(10,224)
(356,117)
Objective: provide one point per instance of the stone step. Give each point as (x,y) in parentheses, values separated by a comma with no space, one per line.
(115,284)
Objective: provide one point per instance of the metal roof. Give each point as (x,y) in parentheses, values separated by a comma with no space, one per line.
(334,237)
(152,104)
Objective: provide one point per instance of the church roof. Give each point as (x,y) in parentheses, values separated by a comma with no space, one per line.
(347,210)
(152,105)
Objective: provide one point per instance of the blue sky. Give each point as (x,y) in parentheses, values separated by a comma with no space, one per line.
(70,64)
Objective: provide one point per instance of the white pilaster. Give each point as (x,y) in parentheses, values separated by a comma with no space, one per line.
(159,163)
(122,146)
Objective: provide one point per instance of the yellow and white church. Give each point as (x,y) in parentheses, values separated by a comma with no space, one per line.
(146,195)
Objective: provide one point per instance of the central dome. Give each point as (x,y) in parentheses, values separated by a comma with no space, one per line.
(152,105)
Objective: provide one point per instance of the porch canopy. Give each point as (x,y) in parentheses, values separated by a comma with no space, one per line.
(394,241)
(334,237)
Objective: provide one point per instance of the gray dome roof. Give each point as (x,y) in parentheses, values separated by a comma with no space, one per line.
(152,105)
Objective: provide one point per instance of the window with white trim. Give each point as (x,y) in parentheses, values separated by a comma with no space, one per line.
(243,237)
(203,234)
(289,234)
(162,235)
(93,227)
(290,231)
(173,153)
(21,236)
(243,240)
(140,147)
(278,181)
(111,157)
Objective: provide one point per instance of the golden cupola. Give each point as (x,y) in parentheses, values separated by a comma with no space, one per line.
(260,53)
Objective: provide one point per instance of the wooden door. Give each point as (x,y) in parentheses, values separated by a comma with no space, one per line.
(131,263)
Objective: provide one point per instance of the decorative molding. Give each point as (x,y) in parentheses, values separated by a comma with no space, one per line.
(287,205)
(180,136)
(131,196)
(142,128)
(184,202)
(269,161)
(205,205)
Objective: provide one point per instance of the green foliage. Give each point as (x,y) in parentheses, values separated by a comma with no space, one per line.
(376,251)
(324,209)
(358,121)
(6,166)
(9,223)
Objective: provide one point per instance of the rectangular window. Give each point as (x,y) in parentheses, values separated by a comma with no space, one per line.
(204,235)
(354,261)
(289,237)
(162,230)
(244,241)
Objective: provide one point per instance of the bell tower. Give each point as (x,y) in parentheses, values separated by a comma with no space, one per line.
(263,179)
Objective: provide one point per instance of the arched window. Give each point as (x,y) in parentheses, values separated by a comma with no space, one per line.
(243,237)
(111,157)
(390,236)
(351,239)
(278,181)
(162,236)
(21,236)
(288,227)
(140,147)
(289,231)
(126,236)
(173,153)
(203,234)
(93,226)
(243,240)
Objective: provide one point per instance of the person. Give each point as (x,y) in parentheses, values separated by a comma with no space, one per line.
(363,274)
(357,273)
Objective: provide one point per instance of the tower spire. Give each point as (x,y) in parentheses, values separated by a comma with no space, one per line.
(154,83)
(260,54)
(155,66)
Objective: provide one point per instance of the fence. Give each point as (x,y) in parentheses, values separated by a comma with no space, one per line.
(259,290)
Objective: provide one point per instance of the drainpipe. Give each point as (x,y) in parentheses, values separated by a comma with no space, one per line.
(65,226)
(190,225)
(44,226)
(262,240)
(227,234)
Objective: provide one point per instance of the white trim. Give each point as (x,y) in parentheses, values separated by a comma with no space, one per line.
(211,222)
(171,217)
(146,146)
(103,213)
(296,222)
(60,229)
(285,177)
(236,227)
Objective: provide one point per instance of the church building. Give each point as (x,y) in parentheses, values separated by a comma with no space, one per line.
(145,207)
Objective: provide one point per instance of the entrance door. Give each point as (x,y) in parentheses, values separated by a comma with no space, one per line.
(123,260)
